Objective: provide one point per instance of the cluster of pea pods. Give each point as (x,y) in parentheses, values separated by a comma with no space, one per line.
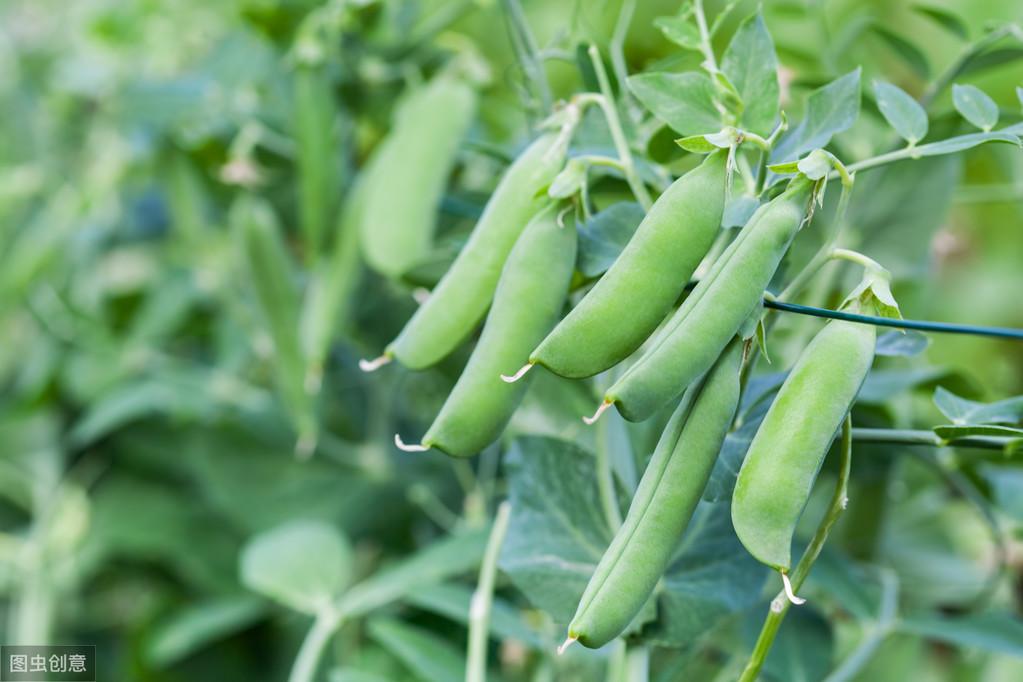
(519,262)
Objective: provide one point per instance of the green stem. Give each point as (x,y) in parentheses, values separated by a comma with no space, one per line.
(617,46)
(605,477)
(780,605)
(614,124)
(637,663)
(530,53)
(483,599)
(316,640)
(705,46)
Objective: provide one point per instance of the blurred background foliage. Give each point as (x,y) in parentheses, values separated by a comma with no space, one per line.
(143,439)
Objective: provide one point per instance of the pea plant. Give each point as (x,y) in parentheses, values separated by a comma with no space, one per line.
(377,340)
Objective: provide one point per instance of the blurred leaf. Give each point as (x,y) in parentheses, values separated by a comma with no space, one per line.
(952,433)
(975,106)
(453,601)
(685,101)
(752,65)
(909,52)
(430,657)
(901,111)
(950,21)
(962,411)
(830,109)
(993,631)
(451,556)
(1006,485)
(883,384)
(904,344)
(198,625)
(603,237)
(680,30)
(303,564)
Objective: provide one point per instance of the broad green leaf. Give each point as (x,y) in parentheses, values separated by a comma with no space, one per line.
(680,30)
(452,600)
(303,564)
(976,106)
(443,559)
(949,21)
(430,657)
(697,144)
(685,101)
(726,468)
(603,237)
(1000,632)
(902,111)
(901,344)
(962,411)
(751,64)
(199,625)
(952,433)
(910,53)
(830,109)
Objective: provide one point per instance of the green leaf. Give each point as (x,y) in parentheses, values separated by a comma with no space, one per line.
(680,30)
(603,237)
(751,65)
(455,554)
(993,631)
(903,344)
(303,564)
(429,657)
(198,625)
(883,384)
(909,52)
(830,109)
(962,411)
(697,144)
(947,20)
(453,601)
(1006,484)
(951,433)
(901,111)
(975,106)
(685,101)
(569,181)
(803,650)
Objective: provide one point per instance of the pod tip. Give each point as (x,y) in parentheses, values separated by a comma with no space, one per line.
(596,415)
(374,364)
(401,445)
(567,643)
(511,379)
(420,295)
(788,590)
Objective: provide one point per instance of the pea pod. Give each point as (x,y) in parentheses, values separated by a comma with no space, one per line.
(409,172)
(460,300)
(634,295)
(694,336)
(789,447)
(530,295)
(665,500)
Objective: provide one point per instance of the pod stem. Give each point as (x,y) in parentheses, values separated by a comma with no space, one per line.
(596,415)
(512,378)
(567,643)
(405,447)
(781,603)
(374,364)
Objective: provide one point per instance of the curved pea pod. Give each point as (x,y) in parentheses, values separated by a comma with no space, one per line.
(714,311)
(635,294)
(460,300)
(528,301)
(789,447)
(409,172)
(665,500)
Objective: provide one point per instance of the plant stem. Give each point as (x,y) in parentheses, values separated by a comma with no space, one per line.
(617,46)
(705,46)
(483,599)
(614,124)
(780,605)
(637,663)
(529,53)
(605,478)
(308,659)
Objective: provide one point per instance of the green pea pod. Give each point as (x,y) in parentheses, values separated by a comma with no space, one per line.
(314,122)
(715,310)
(665,500)
(460,300)
(272,278)
(529,298)
(789,447)
(409,172)
(642,285)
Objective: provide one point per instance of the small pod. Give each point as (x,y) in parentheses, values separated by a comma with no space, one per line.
(460,299)
(789,447)
(634,295)
(529,298)
(693,338)
(409,172)
(665,500)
